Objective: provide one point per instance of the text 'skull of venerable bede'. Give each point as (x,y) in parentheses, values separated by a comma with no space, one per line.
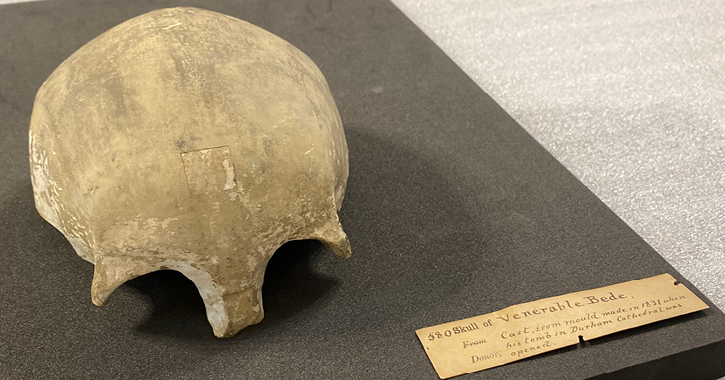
(532,328)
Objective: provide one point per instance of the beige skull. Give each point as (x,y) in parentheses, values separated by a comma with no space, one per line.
(189,140)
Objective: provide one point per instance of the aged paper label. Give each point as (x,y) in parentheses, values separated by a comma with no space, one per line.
(532,328)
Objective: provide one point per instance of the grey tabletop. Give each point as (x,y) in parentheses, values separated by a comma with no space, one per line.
(627,95)
(450,200)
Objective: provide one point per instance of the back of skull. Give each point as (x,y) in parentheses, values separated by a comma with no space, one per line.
(189,140)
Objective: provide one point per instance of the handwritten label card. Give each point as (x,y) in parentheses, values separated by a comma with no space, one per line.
(532,328)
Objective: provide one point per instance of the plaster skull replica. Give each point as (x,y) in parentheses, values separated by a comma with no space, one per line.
(189,140)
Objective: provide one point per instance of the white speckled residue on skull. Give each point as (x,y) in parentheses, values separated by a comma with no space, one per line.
(188,140)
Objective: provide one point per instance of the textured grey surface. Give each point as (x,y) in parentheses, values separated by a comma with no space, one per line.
(626,94)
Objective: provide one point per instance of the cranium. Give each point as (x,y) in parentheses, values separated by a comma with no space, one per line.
(189,140)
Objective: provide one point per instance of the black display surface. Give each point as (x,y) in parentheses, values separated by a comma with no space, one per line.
(452,209)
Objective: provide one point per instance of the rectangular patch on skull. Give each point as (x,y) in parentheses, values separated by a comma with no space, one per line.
(209,170)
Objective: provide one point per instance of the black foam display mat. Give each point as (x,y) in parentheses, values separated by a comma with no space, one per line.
(452,210)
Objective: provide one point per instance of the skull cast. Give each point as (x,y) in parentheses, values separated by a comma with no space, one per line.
(189,140)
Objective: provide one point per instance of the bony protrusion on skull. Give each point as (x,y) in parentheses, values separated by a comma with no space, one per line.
(203,157)
(334,237)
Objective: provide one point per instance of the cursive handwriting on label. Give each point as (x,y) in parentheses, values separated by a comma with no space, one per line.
(532,328)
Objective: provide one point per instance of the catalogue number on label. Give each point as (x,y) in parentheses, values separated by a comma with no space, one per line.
(529,329)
